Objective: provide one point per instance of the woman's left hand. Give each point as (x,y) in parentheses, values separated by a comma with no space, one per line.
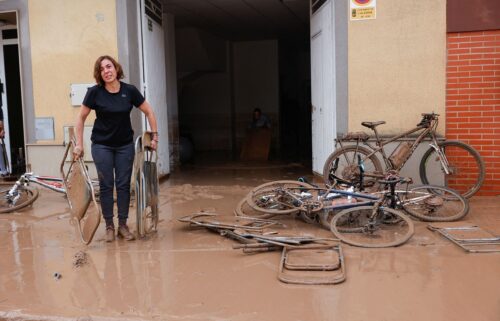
(154,144)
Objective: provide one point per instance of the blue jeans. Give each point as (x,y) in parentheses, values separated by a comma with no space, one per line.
(114,168)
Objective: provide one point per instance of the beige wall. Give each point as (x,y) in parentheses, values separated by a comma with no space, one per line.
(397,64)
(66,38)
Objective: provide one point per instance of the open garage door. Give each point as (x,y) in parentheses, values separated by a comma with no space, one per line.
(154,75)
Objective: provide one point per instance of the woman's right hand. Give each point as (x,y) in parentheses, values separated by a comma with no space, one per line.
(77,152)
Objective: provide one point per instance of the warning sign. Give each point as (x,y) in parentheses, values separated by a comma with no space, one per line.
(363,9)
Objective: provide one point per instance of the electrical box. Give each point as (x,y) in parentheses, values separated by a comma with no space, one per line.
(78,92)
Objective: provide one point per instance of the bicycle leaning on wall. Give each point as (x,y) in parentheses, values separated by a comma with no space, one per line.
(447,163)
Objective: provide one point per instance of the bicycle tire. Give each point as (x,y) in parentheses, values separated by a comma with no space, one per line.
(348,167)
(28,196)
(265,198)
(350,226)
(435,204)
(244,210)
(465,162)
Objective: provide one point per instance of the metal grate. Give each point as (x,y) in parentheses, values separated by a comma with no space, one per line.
(316,4)
(153,10)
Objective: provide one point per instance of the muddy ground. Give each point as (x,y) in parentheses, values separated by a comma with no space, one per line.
(193,274)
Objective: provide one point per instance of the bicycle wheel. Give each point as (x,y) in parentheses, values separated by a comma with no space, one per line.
(387,228)
(26,195)
(243,209)
(434,203)
(465,164)
(347,167)
(279,197)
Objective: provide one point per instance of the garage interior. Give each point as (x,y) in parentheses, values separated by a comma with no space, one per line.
(236,55)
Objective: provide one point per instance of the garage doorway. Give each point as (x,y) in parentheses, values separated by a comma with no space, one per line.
(233,57)
(11,95)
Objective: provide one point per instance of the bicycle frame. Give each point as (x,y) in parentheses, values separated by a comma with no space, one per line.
(425,131)
(53,183)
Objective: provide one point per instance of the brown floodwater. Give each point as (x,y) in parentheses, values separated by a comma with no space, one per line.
(181,273)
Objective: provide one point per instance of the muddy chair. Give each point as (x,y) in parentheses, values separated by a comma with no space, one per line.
(146,185)
(85,212)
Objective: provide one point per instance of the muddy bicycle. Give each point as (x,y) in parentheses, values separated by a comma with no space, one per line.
(448,163)
(376,226)
(319,205)
(22,193)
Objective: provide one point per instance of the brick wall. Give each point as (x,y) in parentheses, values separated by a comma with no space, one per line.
(473,98)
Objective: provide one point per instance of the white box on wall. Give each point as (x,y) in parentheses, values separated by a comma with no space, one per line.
(78,92)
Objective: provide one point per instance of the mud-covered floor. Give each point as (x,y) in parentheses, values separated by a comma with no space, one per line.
(186,274)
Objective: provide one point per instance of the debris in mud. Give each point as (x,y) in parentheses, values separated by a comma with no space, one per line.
(79,259)
(57,275)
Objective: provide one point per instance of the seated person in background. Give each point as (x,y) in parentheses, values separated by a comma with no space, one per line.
(259,120)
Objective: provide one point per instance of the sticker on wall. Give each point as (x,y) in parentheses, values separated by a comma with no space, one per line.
(363,9)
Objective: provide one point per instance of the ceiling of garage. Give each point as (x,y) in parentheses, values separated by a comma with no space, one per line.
(243,19)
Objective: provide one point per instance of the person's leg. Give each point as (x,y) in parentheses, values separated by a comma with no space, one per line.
(124,161)
(104,163)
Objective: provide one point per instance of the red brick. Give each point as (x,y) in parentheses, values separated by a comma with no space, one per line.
(483,38)
(461,51)
(492,90)
(470,91)
(482,62)
(458,39)
(482,131)
(482,96)
(452,45)
(481,142)
(483,73)
(458,74)
(481,119)
(458,63)
(457,108)
(486,154)
(471,114)
(491,67)
(472,45)
(472,125)
(458,131)
(455,85)
(457,97)
(470,79)
(489,44)
(470,56)
(491,101)
(469,102)
(482,85)
(488,79)
(491,113)
(491,55)
(470,68)
(482,50)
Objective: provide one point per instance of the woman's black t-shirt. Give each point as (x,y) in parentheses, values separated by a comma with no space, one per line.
(112,126)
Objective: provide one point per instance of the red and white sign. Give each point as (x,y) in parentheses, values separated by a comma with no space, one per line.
(363,9)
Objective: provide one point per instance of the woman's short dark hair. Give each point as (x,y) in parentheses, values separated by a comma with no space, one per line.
(97,69)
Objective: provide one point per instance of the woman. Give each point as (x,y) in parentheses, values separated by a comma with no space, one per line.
(112,139)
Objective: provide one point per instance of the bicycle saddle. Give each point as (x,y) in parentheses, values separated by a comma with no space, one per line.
(373,124)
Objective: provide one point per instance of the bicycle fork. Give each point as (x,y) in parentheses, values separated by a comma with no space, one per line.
(442,158)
